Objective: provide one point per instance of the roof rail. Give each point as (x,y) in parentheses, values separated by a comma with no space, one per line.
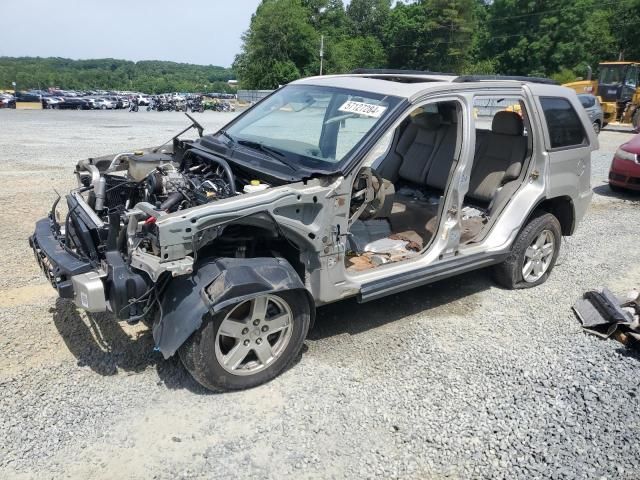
(391,71)
(519,78)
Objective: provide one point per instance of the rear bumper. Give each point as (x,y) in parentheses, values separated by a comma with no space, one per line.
(625,173)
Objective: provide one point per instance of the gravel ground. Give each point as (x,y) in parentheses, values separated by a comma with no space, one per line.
(459,379)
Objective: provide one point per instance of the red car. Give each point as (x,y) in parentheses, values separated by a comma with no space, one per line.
(625,167)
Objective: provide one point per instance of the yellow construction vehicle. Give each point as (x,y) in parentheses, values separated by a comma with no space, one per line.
(618,89)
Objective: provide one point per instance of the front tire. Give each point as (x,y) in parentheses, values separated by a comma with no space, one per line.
(249,343)
(596,127)
(533,255)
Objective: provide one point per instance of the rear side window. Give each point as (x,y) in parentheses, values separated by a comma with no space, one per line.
(587,101)
(565,127)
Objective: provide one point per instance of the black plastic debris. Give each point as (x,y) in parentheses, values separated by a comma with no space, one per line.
(605,315)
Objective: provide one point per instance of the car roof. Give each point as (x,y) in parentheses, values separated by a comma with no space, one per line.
(414,84)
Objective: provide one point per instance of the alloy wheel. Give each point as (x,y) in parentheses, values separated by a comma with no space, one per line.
(538,256)
(253,335)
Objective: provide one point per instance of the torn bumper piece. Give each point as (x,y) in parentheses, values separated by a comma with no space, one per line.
(215,285)
(604,315)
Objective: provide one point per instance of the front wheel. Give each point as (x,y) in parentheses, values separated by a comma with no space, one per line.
(596,127)
(533,255)
(249,343)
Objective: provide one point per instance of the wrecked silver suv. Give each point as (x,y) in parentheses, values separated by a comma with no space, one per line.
(359,185)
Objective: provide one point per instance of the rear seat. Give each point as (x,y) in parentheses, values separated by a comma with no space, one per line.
(499,157)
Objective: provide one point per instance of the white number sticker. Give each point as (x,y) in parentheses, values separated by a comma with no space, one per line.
(84,300)
(361,108)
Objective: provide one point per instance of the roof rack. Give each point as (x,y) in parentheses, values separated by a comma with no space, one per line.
(519,78)
(391,71)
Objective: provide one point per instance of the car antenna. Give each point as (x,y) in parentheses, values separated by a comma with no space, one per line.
(194,124)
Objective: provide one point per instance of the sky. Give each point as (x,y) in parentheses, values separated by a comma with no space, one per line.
(205,32)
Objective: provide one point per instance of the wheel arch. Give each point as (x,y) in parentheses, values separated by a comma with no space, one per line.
(560,207)
(218,283)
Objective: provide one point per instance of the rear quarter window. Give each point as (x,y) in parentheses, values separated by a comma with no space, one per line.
(564,124)
(587,101)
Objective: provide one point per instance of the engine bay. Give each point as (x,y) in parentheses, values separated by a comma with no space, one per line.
(157,179)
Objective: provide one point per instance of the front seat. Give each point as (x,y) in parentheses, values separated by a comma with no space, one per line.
(413,153)
(499,160)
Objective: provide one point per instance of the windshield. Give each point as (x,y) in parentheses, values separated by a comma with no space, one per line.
(612,74)
(320,124)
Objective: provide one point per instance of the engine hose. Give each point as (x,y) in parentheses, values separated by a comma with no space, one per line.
(173,199)
(114,231)
(220,161)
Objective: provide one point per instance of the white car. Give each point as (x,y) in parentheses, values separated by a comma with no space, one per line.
(51,102)
(104,104)
(142,100)
(92,103)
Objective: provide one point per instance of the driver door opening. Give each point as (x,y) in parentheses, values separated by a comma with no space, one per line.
(397,201)
(395,204)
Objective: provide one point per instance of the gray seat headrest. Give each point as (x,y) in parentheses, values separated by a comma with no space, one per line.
(507,123)
(428,121)
(449,113)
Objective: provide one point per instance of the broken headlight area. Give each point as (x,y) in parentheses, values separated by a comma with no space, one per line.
(105,251)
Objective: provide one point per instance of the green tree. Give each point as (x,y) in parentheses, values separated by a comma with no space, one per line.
(110,74)
(278,47)
(625,18)
(368,17)
(434,35)
(542,37)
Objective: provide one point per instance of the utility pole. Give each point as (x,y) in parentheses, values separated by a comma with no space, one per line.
(321,51)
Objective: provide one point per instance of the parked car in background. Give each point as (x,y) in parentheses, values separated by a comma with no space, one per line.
(624,173)
(104,104)
(143,100)
(125,102)
(92,103)
(7,101)
(72,103)
(51,102)
(592,105)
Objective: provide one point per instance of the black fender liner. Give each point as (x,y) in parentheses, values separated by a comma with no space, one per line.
(216,284)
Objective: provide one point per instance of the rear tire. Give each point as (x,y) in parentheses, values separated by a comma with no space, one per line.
(533,255)
(596,127)
(250,349)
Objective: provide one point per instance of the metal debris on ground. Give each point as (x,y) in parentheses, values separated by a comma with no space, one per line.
(605,315)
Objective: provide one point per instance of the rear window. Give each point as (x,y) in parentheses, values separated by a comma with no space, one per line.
(587,101)
(565,127)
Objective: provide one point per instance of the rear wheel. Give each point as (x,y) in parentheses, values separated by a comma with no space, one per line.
(249,343)
(533,255)
(596,127)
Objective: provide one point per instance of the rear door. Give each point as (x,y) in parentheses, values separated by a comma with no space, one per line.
(569,141)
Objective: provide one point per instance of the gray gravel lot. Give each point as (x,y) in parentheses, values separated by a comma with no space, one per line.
(459,379)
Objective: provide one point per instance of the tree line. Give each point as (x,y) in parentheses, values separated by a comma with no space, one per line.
(554,38)
(112,74)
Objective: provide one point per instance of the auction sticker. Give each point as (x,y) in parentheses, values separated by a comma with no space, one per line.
(362,108)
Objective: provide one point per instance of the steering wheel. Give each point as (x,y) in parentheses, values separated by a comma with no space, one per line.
(368,199)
